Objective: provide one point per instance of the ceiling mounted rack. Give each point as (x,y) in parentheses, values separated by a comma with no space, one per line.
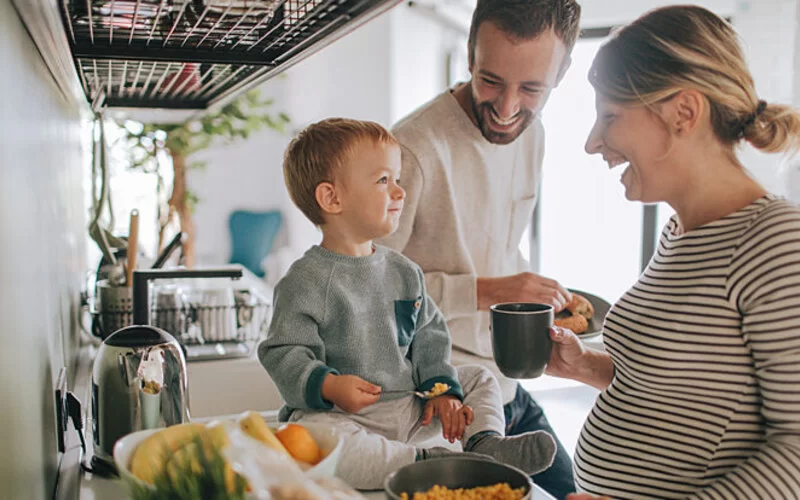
(194,53)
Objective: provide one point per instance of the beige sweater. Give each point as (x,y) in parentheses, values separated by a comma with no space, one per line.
(467,203)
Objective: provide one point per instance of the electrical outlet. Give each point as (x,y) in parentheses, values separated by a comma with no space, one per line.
(62,417)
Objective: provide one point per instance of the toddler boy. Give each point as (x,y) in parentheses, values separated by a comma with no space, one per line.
(353,330)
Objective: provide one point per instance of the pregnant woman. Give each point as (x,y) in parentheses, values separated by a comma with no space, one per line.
(701,379)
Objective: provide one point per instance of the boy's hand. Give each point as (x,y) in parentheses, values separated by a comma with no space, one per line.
(454,415)
(349,392)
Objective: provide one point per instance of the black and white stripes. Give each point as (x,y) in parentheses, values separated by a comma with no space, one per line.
(706,346)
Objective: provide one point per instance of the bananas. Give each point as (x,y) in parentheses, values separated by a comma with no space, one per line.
(151,455)
(174,448)
(254,426)
(167,450)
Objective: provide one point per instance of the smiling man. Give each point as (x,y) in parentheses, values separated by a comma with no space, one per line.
(471,167)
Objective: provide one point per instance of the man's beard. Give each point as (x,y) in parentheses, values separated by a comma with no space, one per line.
(482,115)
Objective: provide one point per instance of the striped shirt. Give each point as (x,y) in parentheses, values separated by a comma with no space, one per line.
(705,402)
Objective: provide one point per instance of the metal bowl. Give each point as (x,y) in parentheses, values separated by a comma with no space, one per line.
(453,472)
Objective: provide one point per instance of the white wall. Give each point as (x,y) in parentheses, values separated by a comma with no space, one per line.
(419,46)
(397,62)
(351,77)
(768,29)
(42,257)
(241,175)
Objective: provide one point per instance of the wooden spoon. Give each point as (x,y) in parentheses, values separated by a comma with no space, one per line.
(133,246)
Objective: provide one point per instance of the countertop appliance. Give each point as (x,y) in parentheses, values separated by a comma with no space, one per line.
(139,377)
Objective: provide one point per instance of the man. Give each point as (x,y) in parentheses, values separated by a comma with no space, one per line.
(471,169)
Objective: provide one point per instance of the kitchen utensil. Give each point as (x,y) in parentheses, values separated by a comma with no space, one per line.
(101,238)
(453,472)
(110,267)
(137,361)
(174,244)
(133,246)
(521,338)
(114,307)
(421,395)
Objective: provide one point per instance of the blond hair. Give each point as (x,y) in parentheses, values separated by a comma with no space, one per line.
(318,152)
(688,47)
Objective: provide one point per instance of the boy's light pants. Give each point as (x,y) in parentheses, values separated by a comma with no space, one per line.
(383,437)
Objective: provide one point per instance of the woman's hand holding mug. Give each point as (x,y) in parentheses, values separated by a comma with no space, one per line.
(566,355)
(569,358)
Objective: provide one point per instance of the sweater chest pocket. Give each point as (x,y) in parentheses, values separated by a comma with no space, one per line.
(406,313)
(521,210)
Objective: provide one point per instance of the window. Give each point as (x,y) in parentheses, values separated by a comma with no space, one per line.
(128,189)
(586,234)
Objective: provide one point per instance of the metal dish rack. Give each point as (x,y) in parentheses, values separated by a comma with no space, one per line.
(205,331)
(193,53)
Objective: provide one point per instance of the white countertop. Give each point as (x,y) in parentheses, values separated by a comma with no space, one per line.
(106,489)
(97,488)
(93,487)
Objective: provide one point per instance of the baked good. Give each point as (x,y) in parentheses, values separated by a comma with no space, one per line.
(575,322)
(580,305)
(576,314)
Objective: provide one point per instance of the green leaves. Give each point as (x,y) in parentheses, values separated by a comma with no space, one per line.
(238,119)
(149,144)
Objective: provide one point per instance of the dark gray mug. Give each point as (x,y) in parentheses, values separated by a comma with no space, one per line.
(521,338)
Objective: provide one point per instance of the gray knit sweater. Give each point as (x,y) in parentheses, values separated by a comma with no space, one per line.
(365,316)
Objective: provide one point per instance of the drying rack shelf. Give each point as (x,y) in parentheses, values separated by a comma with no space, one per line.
(193,53)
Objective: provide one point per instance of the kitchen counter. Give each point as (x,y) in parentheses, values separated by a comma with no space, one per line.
(97,488)
(92,487)
(104,489)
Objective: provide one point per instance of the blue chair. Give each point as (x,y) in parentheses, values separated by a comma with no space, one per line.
(252,237)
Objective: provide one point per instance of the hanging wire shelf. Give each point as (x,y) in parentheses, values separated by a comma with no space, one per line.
(193,53)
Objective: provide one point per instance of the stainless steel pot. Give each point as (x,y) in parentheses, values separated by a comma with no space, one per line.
(453,472)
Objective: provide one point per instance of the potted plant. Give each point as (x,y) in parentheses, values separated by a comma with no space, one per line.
(155,146)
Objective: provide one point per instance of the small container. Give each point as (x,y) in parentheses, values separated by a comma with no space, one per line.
(114,307)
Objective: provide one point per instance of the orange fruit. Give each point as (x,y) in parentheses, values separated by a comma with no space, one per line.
(299,443)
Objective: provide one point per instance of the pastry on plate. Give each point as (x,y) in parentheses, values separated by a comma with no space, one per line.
(580,305)
(576,322)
